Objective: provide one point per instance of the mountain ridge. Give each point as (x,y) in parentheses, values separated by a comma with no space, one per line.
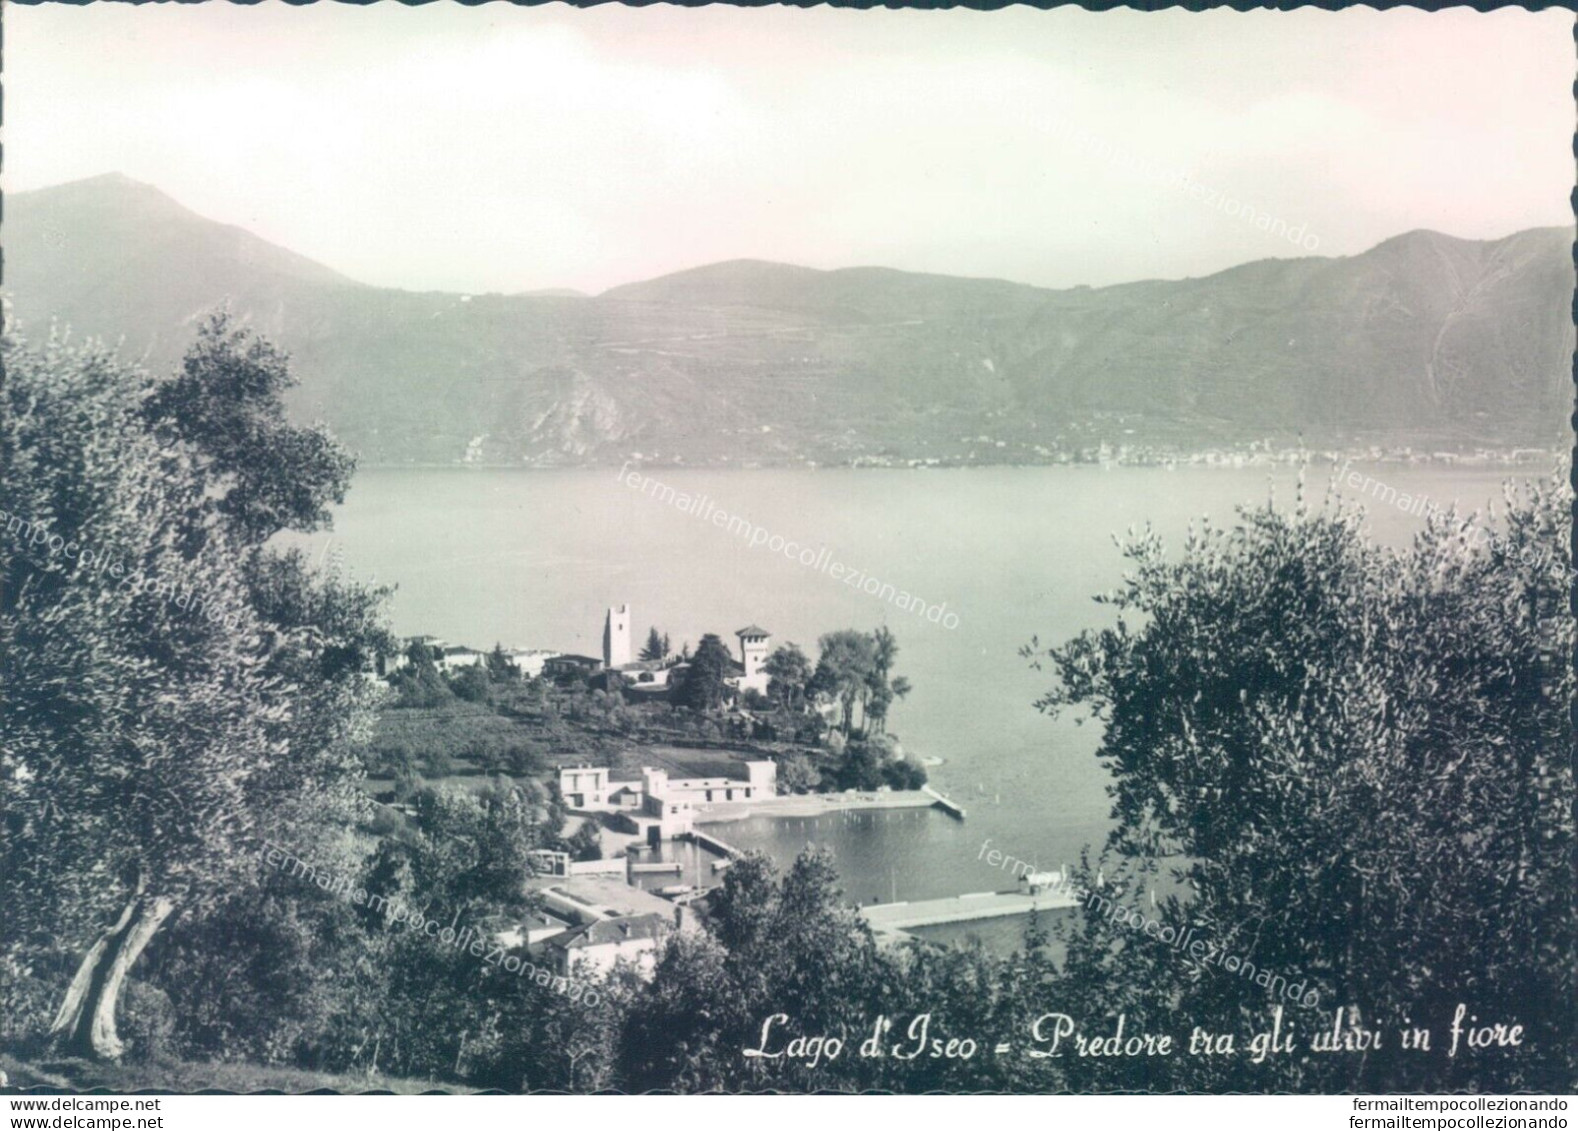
(1425,339)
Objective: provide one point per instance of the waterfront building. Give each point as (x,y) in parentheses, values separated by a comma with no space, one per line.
(660,800)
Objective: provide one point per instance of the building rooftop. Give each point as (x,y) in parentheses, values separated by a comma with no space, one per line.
(612,931)
(686,762)
(599,897)
(752,630)
(542,921)
(648,690)
(676,761)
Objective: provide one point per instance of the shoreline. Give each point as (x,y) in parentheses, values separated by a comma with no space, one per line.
(1227,460)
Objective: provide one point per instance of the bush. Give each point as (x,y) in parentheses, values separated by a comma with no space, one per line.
(524,759)
(796,774)
(585,844)
(438,764)
(861,767)
(147,1022)
(903,775)
(808,732)
(472,684)
(27,1002)
(420,687)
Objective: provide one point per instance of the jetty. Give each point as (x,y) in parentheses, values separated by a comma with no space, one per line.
(895,918)
(713,844)
(952,808)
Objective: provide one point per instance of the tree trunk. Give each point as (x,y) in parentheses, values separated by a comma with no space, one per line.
(85,1023)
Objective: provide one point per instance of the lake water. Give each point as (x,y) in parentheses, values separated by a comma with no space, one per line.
(533,558)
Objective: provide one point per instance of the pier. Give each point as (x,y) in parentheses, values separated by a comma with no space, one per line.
(713,844)
(893,918)
(953,809)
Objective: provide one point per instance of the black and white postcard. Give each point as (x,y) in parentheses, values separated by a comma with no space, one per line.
(618,549)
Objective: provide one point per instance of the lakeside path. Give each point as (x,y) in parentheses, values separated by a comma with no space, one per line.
(813,805)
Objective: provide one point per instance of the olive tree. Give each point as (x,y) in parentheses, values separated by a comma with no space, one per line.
(172,691)
(1356,761)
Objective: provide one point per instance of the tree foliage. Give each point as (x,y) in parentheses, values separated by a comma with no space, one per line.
(656,649)
(854,669)
(227,405)
(1357,761)
(703,688)
(788,674)
(173,690)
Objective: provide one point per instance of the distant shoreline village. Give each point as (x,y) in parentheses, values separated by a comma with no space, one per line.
(643,678)
(991,451)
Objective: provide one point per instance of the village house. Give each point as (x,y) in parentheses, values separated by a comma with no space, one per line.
(597,947)
(458,656)
(645,674)
(570,664)
(537,927)
(529,662)
(588,923)
(388,665)
(542,925)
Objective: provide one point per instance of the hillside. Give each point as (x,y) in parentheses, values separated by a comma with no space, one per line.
(1424,340)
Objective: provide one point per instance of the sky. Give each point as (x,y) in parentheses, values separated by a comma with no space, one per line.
(500,148)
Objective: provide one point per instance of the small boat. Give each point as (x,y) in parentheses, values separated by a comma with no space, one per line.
(675,889)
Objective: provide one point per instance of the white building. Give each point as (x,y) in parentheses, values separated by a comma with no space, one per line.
(388,665)
(456,657)
(645,673)
(529,661)
(668,802)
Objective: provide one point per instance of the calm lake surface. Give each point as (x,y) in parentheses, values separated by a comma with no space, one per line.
(533,558)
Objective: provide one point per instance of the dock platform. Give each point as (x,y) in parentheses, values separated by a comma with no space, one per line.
(897,917)
(713,844)
(952,808)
